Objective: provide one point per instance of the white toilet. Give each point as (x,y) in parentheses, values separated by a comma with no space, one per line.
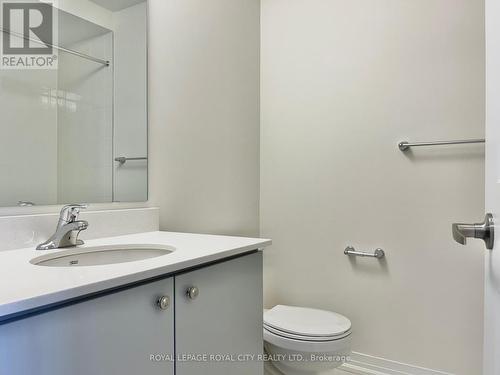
(305,341)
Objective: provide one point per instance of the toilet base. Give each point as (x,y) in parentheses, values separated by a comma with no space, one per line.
(282,368)
(269,369)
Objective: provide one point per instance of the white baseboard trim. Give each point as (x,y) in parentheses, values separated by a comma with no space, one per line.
(363,364)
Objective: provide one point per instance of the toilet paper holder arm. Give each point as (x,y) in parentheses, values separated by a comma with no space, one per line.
(351,251)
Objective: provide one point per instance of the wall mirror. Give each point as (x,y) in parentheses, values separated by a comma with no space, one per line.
(78,133)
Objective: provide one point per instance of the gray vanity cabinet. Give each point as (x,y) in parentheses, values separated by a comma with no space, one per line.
(223,318)
(216,330)
(113,334)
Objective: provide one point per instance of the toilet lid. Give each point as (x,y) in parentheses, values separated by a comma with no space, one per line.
(306,322)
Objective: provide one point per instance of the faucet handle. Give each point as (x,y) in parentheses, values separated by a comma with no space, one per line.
(70,212)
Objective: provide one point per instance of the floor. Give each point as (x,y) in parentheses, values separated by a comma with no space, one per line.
(271,371)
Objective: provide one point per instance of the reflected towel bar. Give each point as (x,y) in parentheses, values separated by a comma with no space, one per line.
(123,159)
(405,146)
(379,253)
(67,50)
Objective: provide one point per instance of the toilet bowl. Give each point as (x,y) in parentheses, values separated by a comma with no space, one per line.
(300,340)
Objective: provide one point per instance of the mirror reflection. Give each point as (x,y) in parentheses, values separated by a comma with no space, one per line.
(78,133)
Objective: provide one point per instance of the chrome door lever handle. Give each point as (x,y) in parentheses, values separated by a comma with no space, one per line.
(484,231)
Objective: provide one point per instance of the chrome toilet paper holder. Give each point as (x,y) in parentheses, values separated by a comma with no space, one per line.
(351,251)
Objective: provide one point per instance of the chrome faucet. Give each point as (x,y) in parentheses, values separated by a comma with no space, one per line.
(68,229)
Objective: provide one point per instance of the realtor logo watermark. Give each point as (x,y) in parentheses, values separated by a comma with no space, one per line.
(29,34)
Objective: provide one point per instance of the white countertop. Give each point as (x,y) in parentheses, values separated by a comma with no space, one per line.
(24,286)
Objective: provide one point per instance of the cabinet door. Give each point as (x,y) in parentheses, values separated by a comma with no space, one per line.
(225,319)
(113,334)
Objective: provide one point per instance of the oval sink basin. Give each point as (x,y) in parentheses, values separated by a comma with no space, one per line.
(101,255)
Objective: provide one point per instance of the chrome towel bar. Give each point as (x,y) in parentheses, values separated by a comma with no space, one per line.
(123,159)
(379,253)
(67,50)
(405,146)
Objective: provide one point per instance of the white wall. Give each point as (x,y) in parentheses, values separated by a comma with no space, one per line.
(342,83)
(204,114)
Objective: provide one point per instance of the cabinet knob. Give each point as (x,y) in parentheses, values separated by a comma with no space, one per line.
(163,302)
(192,292)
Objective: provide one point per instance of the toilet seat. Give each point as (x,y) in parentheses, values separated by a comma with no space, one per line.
(306,323)
(302,341)
(305,338)
(306,330)
(307,346)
